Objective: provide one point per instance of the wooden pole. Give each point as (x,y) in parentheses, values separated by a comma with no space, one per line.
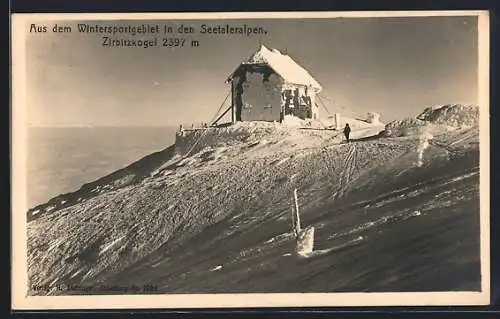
(297,216)
(233,117)
(215,122)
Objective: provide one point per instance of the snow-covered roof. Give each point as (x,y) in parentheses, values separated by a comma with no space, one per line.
(284,65)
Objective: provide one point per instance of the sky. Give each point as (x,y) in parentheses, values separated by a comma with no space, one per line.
(393,66)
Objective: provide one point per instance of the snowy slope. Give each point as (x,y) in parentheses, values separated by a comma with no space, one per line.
(219,219)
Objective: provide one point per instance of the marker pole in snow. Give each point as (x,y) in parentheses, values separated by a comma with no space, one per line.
(297,216)
(304,237)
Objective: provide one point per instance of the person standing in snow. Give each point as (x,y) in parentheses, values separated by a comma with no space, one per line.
(347,131)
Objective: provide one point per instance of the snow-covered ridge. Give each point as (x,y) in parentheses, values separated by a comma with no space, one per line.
(269,137)
(231,187)
(455,115)
(435,118)
(293,134)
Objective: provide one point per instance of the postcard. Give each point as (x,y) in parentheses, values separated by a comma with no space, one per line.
(262,159)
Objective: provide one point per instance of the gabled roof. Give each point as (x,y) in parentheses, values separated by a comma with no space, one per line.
(284,65)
